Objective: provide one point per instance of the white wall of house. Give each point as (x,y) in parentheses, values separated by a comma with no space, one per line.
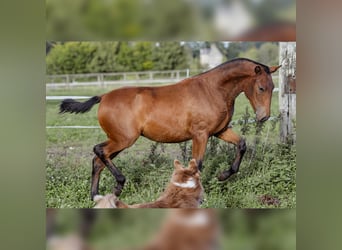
(210,57)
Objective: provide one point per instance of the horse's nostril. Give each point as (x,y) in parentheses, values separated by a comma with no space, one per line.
(265,118)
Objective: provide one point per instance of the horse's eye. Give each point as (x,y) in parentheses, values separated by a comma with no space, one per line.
(261,89)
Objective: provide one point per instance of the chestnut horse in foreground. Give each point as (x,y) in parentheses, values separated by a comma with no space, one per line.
(184,190)
(193,109)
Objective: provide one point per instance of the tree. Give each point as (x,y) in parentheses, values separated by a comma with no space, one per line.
(269,54)
(120,19)
(142,54)
(94,57)
(251,53)
(70,58)
(104,58)
(135,56)
(169,56)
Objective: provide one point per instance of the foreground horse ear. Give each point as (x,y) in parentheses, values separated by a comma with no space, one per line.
(193,165)
(177,164)
(274,68)
(257,70)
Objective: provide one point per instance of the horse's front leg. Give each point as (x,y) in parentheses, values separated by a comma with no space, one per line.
(231,137)
(98,166)
(199,144)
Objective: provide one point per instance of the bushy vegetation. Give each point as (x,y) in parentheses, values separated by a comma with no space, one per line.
(88,57)
(266,53)
(122,20)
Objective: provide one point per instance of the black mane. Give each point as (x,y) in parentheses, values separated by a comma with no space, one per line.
(266,68)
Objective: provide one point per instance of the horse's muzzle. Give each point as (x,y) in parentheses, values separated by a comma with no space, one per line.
(262,115)
(265,118)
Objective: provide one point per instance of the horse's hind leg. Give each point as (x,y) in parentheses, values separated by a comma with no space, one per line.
(231,137)
(98,166)
(106,152)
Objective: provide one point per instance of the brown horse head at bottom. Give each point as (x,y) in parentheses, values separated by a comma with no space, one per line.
(184,191)
(187,229)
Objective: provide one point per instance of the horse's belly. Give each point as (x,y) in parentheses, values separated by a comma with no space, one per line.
(166,133)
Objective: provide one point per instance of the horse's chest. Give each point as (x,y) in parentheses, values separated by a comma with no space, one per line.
(223,121)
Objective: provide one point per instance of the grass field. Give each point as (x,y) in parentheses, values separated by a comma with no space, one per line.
(267,170)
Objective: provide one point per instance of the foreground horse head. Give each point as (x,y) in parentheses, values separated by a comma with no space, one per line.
(193,109)
(188,229)
(186,177)
(185,190)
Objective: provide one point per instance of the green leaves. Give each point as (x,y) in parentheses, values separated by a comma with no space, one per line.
(70,58)
(96,57)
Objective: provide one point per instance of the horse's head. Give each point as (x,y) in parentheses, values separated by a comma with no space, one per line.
(259,91)
(186,177)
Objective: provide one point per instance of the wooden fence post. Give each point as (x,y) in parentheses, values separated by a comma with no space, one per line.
(287,92)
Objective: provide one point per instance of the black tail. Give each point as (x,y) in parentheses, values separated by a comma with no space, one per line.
(72,106)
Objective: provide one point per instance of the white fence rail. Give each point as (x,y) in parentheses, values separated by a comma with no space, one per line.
(102,79)
(124,78)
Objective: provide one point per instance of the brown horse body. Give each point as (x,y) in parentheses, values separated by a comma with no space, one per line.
(187,229)
(195,108)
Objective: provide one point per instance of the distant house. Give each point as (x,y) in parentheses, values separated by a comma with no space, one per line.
(210,57)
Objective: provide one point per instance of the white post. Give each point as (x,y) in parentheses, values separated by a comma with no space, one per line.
(68,81)
(287,91)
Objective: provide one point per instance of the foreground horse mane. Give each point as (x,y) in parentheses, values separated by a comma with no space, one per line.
(235,60)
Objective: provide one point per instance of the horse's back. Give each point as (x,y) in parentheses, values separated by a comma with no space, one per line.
(127,95)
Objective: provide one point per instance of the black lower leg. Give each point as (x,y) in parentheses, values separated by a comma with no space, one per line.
(119,177)
(98,166)
(241,149)
(199,165)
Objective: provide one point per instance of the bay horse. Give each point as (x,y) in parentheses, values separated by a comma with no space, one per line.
(193,109)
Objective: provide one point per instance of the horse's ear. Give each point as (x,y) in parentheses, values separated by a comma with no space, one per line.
(177,164)
(274,68)
(257,70)
(193,165)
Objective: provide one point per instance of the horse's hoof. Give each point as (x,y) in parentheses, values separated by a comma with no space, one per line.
(223,176)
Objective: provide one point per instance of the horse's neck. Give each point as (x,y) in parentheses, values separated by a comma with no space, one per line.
(230,88)
(229,83)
